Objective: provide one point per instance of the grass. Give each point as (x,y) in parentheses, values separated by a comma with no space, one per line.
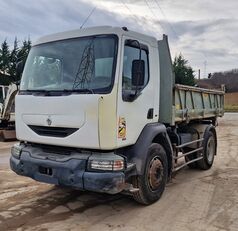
(231,108)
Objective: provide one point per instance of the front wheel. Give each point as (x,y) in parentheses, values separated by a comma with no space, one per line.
(152,183)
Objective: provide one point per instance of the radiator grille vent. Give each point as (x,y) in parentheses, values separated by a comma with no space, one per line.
(52,131)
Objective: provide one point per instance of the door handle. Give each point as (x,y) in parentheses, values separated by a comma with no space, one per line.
(150,113)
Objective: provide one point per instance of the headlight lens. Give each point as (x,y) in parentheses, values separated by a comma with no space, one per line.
(16,151)
(107,165)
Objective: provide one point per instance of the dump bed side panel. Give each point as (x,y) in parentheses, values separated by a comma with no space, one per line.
(180,103)
(191,103)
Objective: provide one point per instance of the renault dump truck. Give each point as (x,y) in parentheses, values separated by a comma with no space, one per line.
(98,110)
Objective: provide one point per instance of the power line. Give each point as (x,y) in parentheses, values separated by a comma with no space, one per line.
(162,11)
(174,31)
(150,8)
(86,19)
(133,15)
(154,15)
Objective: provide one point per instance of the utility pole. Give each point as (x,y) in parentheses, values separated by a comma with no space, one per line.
(199,74)
(205,69)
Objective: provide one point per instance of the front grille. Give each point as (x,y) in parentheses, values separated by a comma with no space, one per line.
(52,131)
(52,149)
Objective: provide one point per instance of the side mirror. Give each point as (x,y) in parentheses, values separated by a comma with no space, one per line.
(19,69)
(138,72)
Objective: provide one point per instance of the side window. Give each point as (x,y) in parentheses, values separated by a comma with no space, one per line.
(132,53)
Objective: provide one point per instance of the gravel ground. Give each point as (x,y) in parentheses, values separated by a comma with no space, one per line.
(194,200)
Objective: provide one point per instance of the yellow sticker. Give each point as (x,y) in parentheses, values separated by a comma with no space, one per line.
(122,128)
(178,107)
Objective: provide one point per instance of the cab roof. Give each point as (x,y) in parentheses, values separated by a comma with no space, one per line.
(96,31)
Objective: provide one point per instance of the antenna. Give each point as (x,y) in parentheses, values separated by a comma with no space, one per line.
(86,19)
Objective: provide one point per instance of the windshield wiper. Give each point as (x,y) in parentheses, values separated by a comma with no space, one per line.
(53,92)
(35,90)
(39,92)
(83,90)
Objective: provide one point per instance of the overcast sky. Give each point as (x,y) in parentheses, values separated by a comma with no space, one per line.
(203,31)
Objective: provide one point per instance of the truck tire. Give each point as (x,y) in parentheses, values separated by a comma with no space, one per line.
(209,151)
(152,183)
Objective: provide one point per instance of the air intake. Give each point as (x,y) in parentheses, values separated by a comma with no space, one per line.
(52,131)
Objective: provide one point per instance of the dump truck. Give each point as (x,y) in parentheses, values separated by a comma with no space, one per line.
(98,110)
(7,112)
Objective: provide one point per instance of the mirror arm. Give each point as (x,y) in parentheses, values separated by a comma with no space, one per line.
(136,91)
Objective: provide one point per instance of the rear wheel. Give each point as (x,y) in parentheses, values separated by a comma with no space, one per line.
(152,183)
(209,151)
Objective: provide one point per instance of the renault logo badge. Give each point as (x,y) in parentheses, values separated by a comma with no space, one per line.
(49,121)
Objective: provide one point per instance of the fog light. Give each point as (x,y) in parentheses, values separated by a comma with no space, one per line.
(16,151)
(107,165)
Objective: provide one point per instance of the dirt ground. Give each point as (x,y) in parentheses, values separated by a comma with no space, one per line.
(194,200)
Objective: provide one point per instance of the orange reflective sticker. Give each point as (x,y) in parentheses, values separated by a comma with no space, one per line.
(122,128)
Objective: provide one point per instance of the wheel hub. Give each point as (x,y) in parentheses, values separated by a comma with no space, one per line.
(155,174)
(210,149)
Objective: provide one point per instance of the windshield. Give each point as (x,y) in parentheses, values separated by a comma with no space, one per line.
(72,65)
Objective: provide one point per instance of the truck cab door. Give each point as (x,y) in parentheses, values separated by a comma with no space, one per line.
(134,114)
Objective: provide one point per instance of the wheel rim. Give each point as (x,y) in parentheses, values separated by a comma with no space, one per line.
(210,149)
(155,173)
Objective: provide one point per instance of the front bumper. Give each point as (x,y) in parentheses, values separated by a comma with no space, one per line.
(67,170)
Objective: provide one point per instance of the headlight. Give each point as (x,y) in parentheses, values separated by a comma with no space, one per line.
(16,151)
(107,165)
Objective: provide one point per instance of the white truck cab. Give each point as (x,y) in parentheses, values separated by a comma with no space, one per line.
(90,81)
(88,113)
